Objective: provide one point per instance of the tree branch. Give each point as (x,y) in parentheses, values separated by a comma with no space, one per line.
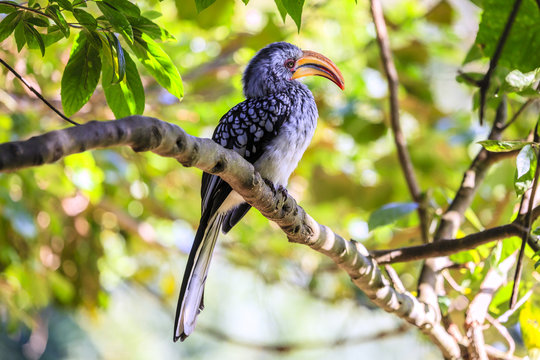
(399,138)
(31,88)
(446,247)
(478,308)
(430,282)
(165,139)
(486,80)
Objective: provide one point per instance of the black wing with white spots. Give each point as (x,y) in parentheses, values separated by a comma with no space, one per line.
(247,129)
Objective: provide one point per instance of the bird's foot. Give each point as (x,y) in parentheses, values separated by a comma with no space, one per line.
(277,189)
(283,190)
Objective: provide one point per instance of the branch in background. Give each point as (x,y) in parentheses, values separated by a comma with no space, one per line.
(504,317)
(504,333)
(446,247)
(399,139)
(478,308)
(431,282)
(496,354)
(303,345)
(280,347)
(520,110)
(528,220)
(486,80)
(31,88)
(165,139)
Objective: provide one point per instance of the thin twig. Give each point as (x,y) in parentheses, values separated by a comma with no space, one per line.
(496,354)
(478,308)
(528,219)
(486,80)
(504,317)
(453,284)
(518,113)
(31,88)
(35,11)
(504,333)
(399,138)
(394,277)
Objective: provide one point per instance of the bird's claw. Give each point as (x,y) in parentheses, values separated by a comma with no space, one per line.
(277,189)
(283,190)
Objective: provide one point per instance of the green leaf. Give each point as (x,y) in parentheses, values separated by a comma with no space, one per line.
(81,74)
(390,213)
(126,97)
(526,161)
(245,2)
(118,20)
(9,23)
(525,169)
(53,35)
(522,45)
(203,4)
(118,58)
(294,8)
(150,28)
(518,80)
(503,145)
(7,9)
(85,19)
(32,33)
(152,14)
(158,64)
(126,7)
(20,38)
(54,12)
(281,9)
(64,4)
(38,21)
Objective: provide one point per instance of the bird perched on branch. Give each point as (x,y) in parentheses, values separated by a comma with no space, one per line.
(271,130)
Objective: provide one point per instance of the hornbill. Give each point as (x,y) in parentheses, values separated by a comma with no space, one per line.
(271,130)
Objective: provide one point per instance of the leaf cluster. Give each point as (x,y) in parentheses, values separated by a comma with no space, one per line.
(107,32)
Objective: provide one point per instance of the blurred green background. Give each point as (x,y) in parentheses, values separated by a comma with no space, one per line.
(93,248)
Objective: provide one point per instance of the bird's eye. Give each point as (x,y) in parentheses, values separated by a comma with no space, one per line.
(289,64)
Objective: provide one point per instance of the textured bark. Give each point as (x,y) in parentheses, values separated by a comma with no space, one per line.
(430,284)
(165,139)
(477,311)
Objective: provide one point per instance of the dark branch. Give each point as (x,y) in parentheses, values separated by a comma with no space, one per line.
(399,138)
(528,222)
(519,112)
(486,80)
(447,246)
(31,88)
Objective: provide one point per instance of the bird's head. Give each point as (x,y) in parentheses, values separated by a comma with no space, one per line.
(277,66)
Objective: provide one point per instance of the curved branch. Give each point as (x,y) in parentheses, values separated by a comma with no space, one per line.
(165,139)
(478,308)
(37,93)
(399,137)
(445,247)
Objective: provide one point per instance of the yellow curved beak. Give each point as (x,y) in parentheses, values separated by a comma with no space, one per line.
(315,64)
